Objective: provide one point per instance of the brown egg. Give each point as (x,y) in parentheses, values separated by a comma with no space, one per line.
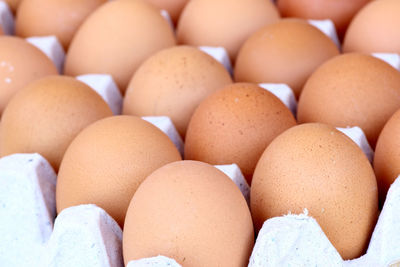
(235,125)
(13,4)
(174,7)
(172,83)
(191,212)
(284,52)
(387,155)
(226,23)
(61,18)
(316,167)
(107,161)
(339,11)
(375,28)
(46,115)
(117,38)
(20,64)
(352,90)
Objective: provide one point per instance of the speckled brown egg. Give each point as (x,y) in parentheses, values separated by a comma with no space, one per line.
(375,29)
(61,18)
(107,161)
(352,90)
(20,64)
(387,155)
(235,125)
(191,212)
(47,114)
(339,11)
(172,83)
(117,38)
(284,52)
(174,7)
(316,167)
(226,23)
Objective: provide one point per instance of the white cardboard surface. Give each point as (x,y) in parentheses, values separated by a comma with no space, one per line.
(52,48)
(84,236)
(390,58)
(6,19)
(298,240)
(27,208)
(105,86)
(234,172)
(166,125)
(358,136)
(326,26)
(384,247)
(220,54)
(284,93)
(159,261)
(293,240)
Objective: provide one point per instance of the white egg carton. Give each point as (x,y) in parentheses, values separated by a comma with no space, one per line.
(83,235)
(7,23)
(87,236)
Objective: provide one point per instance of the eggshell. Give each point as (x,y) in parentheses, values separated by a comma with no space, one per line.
(339,11)
(172,83)
(191,212)
(174,7)
(352,90)
(116,39)
(20,64)
(316,167)
(61,18)
(375,28)
(226,23)
(387,155)
(235,125)
(284,52)
(107,161)
(47,114)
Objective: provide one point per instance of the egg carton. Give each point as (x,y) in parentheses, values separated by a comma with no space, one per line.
(7,22)
(83,235)
(87,236)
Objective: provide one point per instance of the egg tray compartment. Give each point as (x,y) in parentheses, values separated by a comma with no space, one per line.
(86,235)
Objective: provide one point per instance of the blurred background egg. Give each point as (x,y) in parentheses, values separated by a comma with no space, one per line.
(284,52)
(375,28)
(387,155)
(316,167)
(47,114)
(107,161)
(172,83)
(226,23)
(339,11)
(351,90)
(191,212)
(61,18)
(117,38)
(235,125)
(174,7)
(20,64)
